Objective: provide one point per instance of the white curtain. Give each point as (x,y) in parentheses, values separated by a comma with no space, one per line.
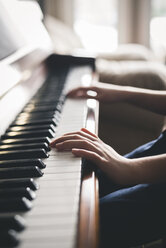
(134,20)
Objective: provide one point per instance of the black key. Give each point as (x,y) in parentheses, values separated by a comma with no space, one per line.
(28,134)
(15,204)
(39,109)
(17,192)
(24,146)
(41,121)
(22,162)
(18,182)
(26,141)
(15,172)
(35,153)
(15,222)
(8,239)
(43,104)
(34,103)
(35,120)
(30,128)
(35,116)
(47,97)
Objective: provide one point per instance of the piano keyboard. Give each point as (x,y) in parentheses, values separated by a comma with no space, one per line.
(39,188)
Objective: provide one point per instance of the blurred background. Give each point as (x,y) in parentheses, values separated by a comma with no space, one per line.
(102,25)
(127,37)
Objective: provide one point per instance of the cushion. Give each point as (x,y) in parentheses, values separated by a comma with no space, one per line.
(150,75)
(129,52)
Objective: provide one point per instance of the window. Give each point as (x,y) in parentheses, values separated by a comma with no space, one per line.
(95,21)
(158,25)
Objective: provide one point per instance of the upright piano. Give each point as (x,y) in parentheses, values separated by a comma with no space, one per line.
(47,198)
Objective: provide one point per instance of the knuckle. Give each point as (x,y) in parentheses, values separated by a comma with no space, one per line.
(67,142)
(62,144)
(80,133)
(94,88)
(86,142)
(78,136)
(96,142)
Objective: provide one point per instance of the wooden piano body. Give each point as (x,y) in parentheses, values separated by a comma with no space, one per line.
(64,212)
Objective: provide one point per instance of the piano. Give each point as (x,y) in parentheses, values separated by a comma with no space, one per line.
(47,198)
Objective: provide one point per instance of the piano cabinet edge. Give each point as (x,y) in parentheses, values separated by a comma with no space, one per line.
(88,226)
(88,230)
